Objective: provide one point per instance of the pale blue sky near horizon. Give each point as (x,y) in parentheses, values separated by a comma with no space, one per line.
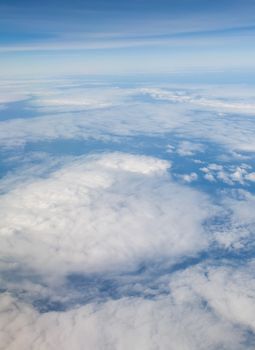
(98,37)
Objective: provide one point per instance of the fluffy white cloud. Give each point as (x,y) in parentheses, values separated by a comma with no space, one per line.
(250,177)
(187,148)
(206,308)
(207,98)
(228,174)
(209,177)
(101,229)
(103,124)
(102,213)
(216,115)
(189,177)
(242,207)
(237,231)
(229,291)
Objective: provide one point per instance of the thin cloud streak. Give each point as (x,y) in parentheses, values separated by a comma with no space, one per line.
(99,41)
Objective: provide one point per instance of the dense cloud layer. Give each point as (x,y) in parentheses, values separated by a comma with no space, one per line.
(125,250)
(102,213)
(208,308)
(108,113)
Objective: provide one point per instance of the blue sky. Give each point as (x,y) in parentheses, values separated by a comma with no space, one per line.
(98,37)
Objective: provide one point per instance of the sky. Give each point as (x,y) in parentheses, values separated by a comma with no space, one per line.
(119,37)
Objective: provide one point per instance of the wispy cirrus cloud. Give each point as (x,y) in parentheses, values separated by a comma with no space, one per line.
(177,32)
(101,41)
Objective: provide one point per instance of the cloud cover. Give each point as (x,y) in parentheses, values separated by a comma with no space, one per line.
(208,308)
(101,213)
(108,114)
(116,250)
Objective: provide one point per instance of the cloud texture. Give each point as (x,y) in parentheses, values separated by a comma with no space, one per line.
(102,213)
(126,218)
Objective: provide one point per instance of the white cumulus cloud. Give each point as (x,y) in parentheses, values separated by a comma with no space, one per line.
(101,213)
